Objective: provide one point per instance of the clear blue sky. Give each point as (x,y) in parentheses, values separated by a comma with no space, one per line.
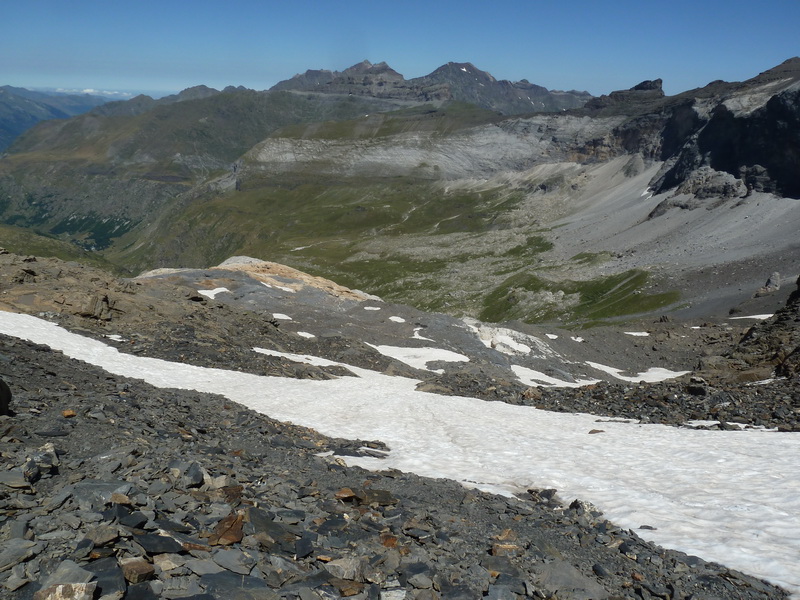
(169,45)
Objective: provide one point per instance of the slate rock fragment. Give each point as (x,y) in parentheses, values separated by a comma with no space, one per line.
(5,398)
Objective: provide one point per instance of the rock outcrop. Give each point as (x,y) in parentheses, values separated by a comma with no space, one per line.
(751,132)
(774,345)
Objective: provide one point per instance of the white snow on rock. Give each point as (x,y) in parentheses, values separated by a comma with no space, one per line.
(281,317)
(280,287)
(305,334)
(307,359)
(637,333)
(652,375)
(756,317)
(577,338)
(726,496)
(372,308)
(551,336)
(539,379)
(397,319)
(417,336)
(420,357)
(212,293)
(509,341)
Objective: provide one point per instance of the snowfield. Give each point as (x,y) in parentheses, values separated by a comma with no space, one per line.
(726,496)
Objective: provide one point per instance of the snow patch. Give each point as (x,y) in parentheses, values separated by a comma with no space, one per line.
(539,379)
(637,333)
(551,336)
(417,336)
(307,359)
(305,334)
(732,496)
(397,319)
(420,357)
(652,375)
(280,287)
(372,308)
(281,316)
(509,341)
(212,293)
(756,317)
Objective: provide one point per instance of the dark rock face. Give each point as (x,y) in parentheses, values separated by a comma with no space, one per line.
(721,141)
(648,90)
(759,148)
(763,149)
(5,398)
(775,343)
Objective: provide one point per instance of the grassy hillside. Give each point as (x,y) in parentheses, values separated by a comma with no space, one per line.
(405,240)
(157,189)
(22,241)
(182,141)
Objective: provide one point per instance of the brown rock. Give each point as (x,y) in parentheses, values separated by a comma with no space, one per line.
(228,531)
(102,534)
(506,549)
(137,570)
(345,494)
(347,587)
(67,591)
(532,393)
(117,498)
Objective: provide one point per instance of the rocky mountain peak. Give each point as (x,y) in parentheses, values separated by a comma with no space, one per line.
(454,81)
(461,71)
(787,70)
(366,68)
(194,93)
(648,86)
(630,100)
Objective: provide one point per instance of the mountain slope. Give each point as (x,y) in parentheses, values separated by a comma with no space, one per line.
(21,109)
(578,217)
(99,174)
(144,421)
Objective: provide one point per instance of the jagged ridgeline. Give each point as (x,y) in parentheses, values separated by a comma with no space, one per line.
(452,192)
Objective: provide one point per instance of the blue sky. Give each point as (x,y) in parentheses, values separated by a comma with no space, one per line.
(596,46)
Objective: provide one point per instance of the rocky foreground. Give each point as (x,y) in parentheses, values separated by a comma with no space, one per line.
(111,488)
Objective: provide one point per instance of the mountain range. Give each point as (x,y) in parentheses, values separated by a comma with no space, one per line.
(21,109)
(453,192)
(461,82)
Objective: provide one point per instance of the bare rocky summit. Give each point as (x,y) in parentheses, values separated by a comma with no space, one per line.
(461,82)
